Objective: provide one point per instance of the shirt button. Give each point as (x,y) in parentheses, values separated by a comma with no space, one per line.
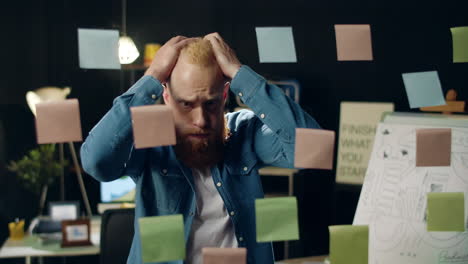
(245,168)
(218,184)
(240,94)
(262,116)
(241,239)
(232,213)
(153,96)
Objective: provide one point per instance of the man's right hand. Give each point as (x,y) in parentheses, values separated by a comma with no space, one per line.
(166,58)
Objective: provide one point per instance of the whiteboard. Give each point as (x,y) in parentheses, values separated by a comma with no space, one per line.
(393,199)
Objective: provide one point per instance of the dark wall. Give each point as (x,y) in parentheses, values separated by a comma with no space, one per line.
(39,47)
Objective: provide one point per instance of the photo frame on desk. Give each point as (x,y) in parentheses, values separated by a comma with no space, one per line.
(76,233)
(68,210)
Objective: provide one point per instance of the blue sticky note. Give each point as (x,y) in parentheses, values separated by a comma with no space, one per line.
(423,89)
(98,49)
(276,44)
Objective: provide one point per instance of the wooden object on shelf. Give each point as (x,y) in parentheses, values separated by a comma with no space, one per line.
(452,105)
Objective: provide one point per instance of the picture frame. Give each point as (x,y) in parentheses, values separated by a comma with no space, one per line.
(67,210)
(76,233)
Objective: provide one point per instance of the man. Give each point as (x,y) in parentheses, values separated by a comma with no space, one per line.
(211,175)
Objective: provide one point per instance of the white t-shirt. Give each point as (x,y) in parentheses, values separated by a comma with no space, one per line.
(212,226)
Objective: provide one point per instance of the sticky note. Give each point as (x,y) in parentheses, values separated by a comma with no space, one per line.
(349,244)
(433,147)
(460,44)
(224,255)
(58,122)
(275,44)
(153,126)
(446,211)
(98,49)
(162,238)
(423,89)
(353,43)
(276,219)
(314,148)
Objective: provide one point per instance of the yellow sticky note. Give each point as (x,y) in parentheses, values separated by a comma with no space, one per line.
(460,44)
(446,211)
(349,244)
(162,238)
(276,219)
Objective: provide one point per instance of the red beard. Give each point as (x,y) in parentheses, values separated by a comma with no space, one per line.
(201,152)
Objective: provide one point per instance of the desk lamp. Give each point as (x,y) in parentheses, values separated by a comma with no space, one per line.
(50,94)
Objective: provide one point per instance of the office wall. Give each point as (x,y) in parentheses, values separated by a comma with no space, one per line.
(39,47)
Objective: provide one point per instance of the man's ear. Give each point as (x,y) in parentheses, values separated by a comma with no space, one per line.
(165,93)
(227,85)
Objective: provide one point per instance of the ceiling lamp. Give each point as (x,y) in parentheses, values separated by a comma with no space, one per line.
(128,52)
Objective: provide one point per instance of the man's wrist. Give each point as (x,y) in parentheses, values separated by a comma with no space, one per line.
(154,74)
(235,70)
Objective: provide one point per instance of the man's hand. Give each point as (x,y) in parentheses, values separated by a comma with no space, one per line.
(225,56)
(166,58)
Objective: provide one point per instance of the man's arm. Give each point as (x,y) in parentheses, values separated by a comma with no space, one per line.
(108,151)
(278,115)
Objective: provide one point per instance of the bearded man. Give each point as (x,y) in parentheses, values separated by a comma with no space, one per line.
(211,175)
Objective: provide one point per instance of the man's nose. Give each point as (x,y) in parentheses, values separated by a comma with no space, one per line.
(199,117)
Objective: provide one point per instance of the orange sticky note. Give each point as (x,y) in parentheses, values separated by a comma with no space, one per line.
(58,122)
(433,147)
(353,43)
(224,255)
(153,126)
(314,148)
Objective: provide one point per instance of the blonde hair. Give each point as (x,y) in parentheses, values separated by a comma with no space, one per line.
(199,52)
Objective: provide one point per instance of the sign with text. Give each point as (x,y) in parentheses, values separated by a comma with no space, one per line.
(358,122)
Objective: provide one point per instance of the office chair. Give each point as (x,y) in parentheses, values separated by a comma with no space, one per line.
(116,235)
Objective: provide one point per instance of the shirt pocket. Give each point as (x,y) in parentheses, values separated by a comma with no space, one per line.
(170,188)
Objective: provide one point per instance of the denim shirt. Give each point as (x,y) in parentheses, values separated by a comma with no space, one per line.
(262,136)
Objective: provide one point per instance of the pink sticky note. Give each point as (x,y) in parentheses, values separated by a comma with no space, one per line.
(58,122)
(153,126)
(433,147)
(353,42)
(224,255)
(314,148)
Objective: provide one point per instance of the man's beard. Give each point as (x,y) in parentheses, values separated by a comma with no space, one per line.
(200,153)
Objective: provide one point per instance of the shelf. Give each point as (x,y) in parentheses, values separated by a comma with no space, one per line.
(275,171)
(134,67)
(276,194)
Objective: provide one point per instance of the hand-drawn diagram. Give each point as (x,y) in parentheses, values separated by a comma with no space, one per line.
(393,199)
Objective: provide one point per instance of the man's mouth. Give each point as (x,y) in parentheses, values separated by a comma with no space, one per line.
(199,135)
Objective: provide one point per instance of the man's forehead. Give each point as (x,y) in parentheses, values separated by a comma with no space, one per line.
(190,81)
(190,93)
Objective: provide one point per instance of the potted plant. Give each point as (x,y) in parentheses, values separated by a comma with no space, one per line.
(38,169)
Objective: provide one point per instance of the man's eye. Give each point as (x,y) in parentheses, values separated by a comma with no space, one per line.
(186,104)
(211,104)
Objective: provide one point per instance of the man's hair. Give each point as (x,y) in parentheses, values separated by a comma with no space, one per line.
(199,52)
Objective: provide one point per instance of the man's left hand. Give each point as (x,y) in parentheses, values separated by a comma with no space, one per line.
(225,56)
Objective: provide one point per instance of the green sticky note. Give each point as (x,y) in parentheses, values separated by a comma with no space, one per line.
(446,211)
(460,44)
(276,219)
(349,244)
(162,238)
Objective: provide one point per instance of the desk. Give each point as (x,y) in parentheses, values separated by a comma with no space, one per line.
(25,248)
(302,260)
